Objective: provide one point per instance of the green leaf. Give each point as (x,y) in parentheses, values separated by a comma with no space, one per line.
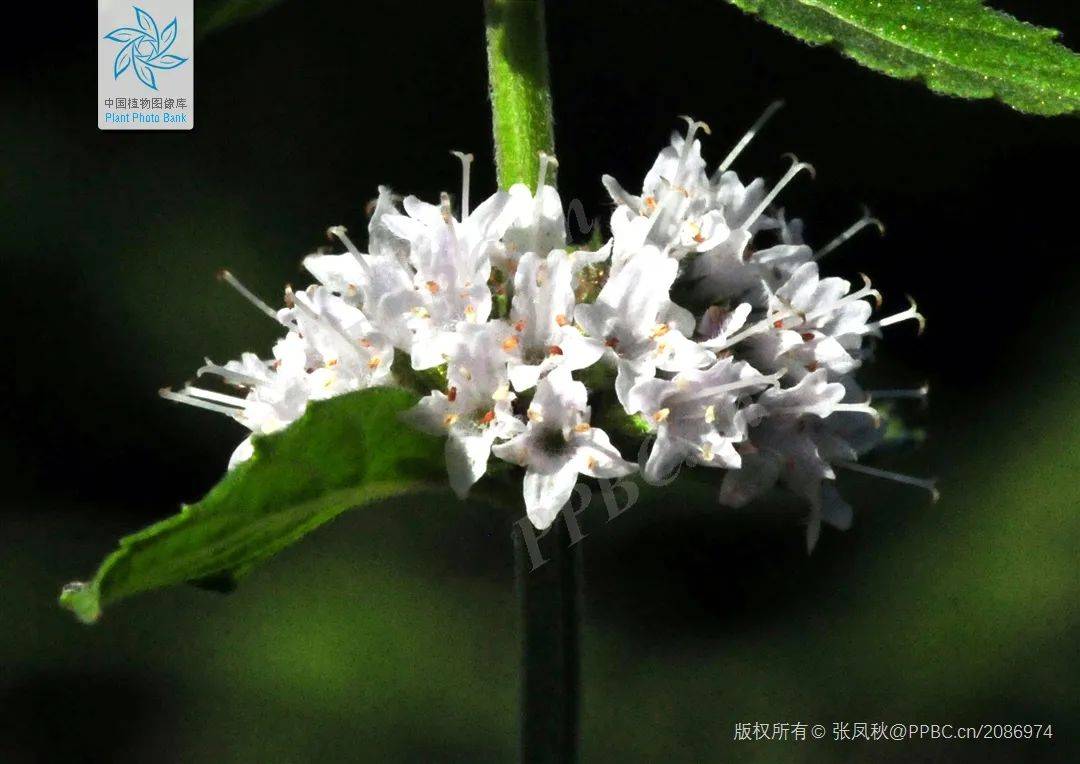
(957,47)
(344,452)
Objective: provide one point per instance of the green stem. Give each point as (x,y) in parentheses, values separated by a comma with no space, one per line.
(551,613)
(550,595)
(520,92)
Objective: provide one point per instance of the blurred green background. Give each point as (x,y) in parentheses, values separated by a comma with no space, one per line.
(392,634)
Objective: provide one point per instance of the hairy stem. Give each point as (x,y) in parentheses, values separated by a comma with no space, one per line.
(520,92)
(550,594)
(550,599)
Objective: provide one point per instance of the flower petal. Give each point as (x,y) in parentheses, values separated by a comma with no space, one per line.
(546,494)
(466,458)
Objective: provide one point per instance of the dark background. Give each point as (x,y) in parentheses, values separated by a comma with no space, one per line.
(392,633)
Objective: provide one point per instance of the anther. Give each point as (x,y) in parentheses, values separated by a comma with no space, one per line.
(339,232)
(912,312)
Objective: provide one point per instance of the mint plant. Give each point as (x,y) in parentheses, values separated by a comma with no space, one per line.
(473,347)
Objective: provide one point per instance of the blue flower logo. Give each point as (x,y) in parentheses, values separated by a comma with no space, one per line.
(145,49)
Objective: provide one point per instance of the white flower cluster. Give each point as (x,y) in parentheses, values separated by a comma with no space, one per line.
(702,326)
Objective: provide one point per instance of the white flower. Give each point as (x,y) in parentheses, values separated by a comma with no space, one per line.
(558,445)
(696,416)
(476,409)
(452,263)
(538,224)
(793,442)
(331,348)
(345,352)
(742,273)
(676,197)
(494,295)
(380,282)
(815,324)
(427,271)
(276,392)
(683,210)
(639,324)
(542,319)
(717,325)
(733,269)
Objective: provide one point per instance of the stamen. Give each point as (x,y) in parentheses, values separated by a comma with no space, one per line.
(466,163)
(707,393)
(538,204)
(246,293)
(756,328)
(919,393)
(210,395)
(745,140)
(339,232)
(688,144)
(306,309)
(866,220)
(228,375)
(546,160)
(444,207)
(912,312)
(795,169)
(928,484)
(199,404)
